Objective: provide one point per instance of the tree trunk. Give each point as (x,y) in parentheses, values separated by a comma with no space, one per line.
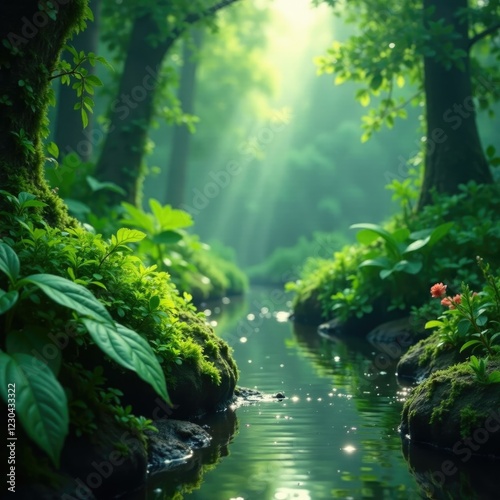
(121,158)
(31,44)
(181,141)
(69,134)
(454,154)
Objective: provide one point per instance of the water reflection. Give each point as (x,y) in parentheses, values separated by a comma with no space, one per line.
(334,436)
(444,476)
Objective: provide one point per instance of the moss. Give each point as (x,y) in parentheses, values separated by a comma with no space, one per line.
(470,419)
(23,122)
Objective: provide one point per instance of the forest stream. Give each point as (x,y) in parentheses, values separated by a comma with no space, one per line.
(335,435)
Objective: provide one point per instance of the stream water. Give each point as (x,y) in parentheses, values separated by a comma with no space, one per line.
(334,436)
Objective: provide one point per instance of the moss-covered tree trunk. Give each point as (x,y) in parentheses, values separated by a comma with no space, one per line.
(454,154)
(32,35)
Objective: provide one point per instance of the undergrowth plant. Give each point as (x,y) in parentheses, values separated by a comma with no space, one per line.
(393,265)
(64,293)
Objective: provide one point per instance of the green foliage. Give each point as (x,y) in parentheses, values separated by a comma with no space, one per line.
(84,83)
(456,228)
(385,55)
(478,367)
(399,255)
(74,285)
(190,263)
(41,404)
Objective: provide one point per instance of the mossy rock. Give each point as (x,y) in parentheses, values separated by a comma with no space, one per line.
(194,392)
(426,357)
(452,411)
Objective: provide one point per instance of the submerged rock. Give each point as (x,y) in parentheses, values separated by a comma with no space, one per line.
(453,411)
(174,443)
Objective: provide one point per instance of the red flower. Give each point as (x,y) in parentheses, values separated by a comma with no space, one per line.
(457,299)
(447,302)
(438,290)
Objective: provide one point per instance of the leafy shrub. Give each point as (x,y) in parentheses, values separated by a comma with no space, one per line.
(67,293)
(447,237)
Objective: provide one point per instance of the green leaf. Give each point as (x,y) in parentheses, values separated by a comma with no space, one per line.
(138,218)
(167,238)
(131,351)
(417,245)
(71,295)
(440,232)
(470,343)
(481,320)
(154,302)
(9,262)
(408,266)
(41,404)
(53,149)
(383,262)
(376,81)
(8,300)
(463,326)
(34,340)
(126,235)
(494,377)
(392,244)
(434,324)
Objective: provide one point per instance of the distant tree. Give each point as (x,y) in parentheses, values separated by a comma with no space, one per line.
(32,34)
(428,44)
(154,27)
(181,137)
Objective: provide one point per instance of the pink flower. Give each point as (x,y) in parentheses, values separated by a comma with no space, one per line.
(451,302)
(447,302)
(438,290)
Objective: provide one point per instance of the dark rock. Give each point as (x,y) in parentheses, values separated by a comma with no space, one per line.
(451,410)
(174,443)
(279,395)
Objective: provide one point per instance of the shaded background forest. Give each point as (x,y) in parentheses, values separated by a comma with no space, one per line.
(267,152)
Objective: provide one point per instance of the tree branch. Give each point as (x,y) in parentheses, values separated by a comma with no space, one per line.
(194,18)
(483,34)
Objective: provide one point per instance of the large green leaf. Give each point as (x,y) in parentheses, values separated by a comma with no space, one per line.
(131,351)
(168,217)
(391,243)
(9,262)
(138,218)
(40,401)
(8,300)
(69,294)
(126,235)
(417,245)
(34,340)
